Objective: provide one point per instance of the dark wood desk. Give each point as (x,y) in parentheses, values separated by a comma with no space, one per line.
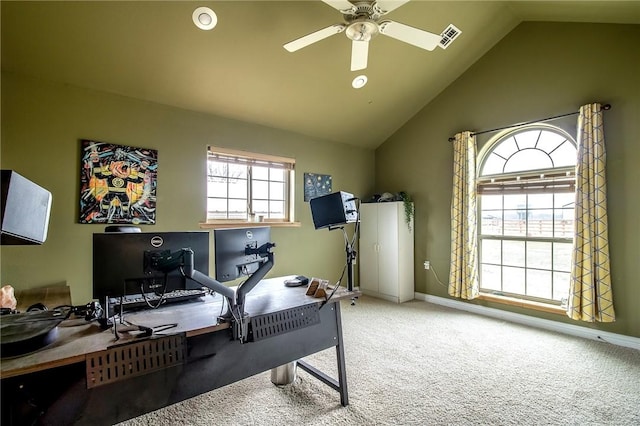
(87,377)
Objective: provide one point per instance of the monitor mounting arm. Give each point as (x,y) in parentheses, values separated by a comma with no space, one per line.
(263,251)
(183,259)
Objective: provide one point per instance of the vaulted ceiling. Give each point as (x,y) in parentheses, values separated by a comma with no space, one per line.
(240,70)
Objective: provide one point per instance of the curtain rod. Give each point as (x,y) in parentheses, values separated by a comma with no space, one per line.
(605,107)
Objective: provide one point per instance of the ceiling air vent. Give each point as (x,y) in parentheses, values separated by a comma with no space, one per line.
(448,35)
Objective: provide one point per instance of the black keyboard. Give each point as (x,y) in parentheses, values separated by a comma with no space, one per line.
(137,301)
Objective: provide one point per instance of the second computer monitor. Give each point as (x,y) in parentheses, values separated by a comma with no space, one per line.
(231,262)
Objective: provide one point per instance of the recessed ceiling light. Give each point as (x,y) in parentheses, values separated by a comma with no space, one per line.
(359,81)
(204,18)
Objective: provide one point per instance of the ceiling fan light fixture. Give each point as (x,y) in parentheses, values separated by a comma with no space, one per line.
(204,18)
(362,30)
(359,82)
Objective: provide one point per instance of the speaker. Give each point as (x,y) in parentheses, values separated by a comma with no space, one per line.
(25,210)
(333,209)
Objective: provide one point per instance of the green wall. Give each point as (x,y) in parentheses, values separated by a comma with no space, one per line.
(42,123)
(536,71)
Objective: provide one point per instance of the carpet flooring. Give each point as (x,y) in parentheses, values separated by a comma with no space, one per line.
(422,364)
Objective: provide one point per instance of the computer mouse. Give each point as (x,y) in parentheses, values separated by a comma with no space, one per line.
(297,281)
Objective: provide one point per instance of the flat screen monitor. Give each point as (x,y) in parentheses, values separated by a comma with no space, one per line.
(231,262)
(119,262)
(332,210)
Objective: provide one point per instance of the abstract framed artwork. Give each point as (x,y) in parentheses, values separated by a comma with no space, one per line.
(316,185)
(117,184)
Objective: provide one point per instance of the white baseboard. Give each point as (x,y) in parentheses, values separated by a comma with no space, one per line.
(574,330)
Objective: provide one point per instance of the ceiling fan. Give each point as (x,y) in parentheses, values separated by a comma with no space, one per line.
(362,23)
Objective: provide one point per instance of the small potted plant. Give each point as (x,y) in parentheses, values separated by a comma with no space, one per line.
(409,210)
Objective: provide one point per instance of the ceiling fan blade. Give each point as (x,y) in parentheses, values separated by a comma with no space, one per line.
(417,37)
(316,36)
(342,5)
(386,6)
(359,55)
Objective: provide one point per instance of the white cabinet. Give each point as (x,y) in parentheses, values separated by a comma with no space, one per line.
(386,252)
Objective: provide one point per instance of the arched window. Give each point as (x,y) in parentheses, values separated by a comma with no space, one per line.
(526,187)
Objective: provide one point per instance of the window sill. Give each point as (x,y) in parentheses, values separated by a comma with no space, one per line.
(244,224)
(521,303)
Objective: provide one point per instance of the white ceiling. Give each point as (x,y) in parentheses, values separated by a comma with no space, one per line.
(152,51)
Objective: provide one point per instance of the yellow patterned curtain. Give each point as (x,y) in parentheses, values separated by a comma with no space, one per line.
(590,295)
(463,275)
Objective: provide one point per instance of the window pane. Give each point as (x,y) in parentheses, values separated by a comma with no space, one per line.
(516,201)
(216,208)
(277,174)
(491,202)
(538,255)
(491,251)
(237,209)
(490,278)
(260,190)
(493,165)
(276,209)
(515,215)
(513,280)
(515,227)
(540,201)
(261,207)
(540,223)
(260,173)
(560,285)
(237,171)
(549,141)
(490,224)
(528,159)
(539,283)
(513,253)
(562,256)
(564,200)
(563,228)
(238,188)
(527,139)
(491,214)
(217,188)
(506,148)
(217,168)
(536,215)
(276,190)
(565,155)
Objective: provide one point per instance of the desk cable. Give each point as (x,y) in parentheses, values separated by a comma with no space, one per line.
(146,330)
(335,287)
(129,326)
(160,300)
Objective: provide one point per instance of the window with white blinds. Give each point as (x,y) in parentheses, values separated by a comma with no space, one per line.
(243,186)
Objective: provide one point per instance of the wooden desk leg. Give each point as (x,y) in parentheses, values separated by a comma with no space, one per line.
(341,384)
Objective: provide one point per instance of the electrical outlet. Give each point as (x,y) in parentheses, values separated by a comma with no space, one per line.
(427,264)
